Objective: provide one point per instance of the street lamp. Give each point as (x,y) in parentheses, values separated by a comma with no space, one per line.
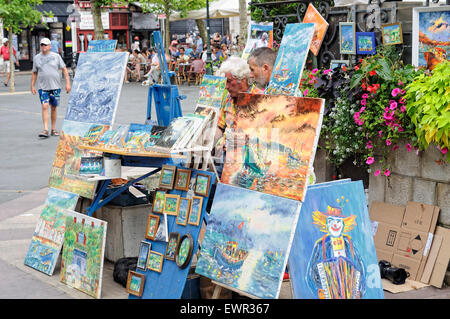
(208,42)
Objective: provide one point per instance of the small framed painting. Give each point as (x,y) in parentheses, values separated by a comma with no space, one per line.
(347,42)
(183,211)
(135,283)
(202,184)
(334,64)
(155,261)
(392,33)
(184,251)
(171,247)
(171,204)
(167,177)
(152,226)
(158,201)
(182,179)
(196,210)
(365,43)
(143,255)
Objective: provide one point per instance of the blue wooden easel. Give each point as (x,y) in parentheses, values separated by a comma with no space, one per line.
(167,99)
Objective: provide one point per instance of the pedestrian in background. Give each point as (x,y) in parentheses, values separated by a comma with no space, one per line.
(46,65)
(56,47)
(4,53)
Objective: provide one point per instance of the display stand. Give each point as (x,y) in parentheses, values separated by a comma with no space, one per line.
(218,289)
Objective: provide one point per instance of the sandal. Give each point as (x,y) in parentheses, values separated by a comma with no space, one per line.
(55,133)
(44,134)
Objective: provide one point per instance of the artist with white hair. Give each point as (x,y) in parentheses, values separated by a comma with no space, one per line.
(237,72)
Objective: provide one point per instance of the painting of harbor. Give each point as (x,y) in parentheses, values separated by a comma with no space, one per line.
(247,240)
(272,144)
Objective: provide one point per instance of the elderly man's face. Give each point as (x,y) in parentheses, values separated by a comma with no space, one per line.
(234,86)
(259,74)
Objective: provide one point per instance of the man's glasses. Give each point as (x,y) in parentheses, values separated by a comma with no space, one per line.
(42,44)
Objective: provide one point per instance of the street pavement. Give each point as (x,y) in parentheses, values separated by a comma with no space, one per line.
(24,170)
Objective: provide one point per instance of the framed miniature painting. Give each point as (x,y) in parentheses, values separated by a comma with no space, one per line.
(167,176)
(183,211)
(143,255)
(196,210)
(334,64)
(202,184)
(135,283)
(430,36)
(182,179)
(347,38)
(158,201)
(152,226)
(171,204)
(155,261)
(184,251)
(392,33)
(171,247)
(365,43)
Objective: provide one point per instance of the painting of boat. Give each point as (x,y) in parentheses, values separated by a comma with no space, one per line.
(230,255)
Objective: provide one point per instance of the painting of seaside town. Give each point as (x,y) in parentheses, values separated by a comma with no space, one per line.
(212,90)
(291,58)
(333,252)
(48,235)
(66,164)
(247,241)
(431,36)
(272,144)
(83,252)
(96,87)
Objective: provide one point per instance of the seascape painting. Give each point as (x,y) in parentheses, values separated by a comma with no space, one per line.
(431,36)
(83,253)
(320,29)
(48,235)
(333,253)
(365,43)
(247,242)
(212,90)
(347,39)
(96,87)
(291,57)
(272,144)
(65,170)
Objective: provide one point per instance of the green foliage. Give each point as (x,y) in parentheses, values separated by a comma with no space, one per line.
(428,105)
(20,14)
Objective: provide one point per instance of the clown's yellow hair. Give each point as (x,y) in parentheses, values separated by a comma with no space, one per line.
(320,220)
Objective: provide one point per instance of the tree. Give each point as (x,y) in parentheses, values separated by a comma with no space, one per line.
(18,15)
(242,21)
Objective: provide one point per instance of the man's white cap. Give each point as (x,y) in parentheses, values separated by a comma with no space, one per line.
(45,41)
(4,40)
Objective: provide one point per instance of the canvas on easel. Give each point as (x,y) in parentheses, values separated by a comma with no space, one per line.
(320,28)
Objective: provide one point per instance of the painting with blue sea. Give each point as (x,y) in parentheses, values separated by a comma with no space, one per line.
(247,240)
(96,87)
(291,57)
(333,252)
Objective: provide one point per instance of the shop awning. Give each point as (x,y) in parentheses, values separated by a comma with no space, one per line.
(217,9)
(58,8)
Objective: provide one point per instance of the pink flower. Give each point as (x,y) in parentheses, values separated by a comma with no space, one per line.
(395,147)
(388,142)
(400,83)
(392,105)
(408,147)
(305,92)
(314,71)
(369,144)
(370,160)
(443,150)
(365,96)
(388,115)
(356,116)
(387,172)
(363,102)
(377,172)
(402,100)
(360,122)
(326,71)
(402,109)
(362,109)
(395,92)
(380,133)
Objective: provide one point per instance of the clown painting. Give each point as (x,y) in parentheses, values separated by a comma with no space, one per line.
(333,254)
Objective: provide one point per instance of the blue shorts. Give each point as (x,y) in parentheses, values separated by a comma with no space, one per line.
(50,96)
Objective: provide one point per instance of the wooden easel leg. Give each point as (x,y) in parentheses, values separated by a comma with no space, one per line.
(217,291)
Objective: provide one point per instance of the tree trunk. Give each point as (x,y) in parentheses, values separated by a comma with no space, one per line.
(12,88)
(167,30)
(99,32)
(201,29)
(242,22)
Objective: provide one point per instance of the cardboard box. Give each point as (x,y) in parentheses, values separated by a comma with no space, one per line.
(406,232)
(441,264)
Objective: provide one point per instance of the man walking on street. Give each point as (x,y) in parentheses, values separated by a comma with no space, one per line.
(4,53)
(45,71)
